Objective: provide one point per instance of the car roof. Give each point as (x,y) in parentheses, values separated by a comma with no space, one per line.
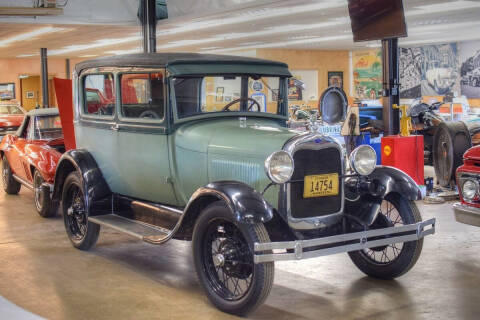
(171,59)
(43,112)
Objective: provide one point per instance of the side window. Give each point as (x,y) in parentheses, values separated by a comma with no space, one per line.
(142,95)
(99,98)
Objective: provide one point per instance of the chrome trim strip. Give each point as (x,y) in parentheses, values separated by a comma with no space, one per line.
(307,141)
(23,182)
(337,243)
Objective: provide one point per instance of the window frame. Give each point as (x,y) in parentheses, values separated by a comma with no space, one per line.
(282,108)
(126,119)
(83,96)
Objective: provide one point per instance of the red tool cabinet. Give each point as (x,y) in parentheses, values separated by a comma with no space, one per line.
(406,154)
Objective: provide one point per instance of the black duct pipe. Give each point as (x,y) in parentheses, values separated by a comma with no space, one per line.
(44,76)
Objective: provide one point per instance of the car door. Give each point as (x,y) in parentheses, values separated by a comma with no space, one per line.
(96,127)
(142,149)
(16,152)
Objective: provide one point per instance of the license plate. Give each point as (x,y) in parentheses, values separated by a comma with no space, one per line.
(321,185)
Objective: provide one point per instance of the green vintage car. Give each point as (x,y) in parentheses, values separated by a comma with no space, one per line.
(195,147)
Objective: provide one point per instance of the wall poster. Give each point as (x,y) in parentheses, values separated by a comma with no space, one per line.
(303,86)
(7,91)
(410,65)
(439,69)
(469,58)
(367,74)
(335,79)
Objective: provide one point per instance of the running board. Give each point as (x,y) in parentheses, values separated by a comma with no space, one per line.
(139,230)
(23,182)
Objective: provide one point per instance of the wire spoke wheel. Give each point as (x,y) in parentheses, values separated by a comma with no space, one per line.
(76,217)
(228,260)
(389,216)
(39,194)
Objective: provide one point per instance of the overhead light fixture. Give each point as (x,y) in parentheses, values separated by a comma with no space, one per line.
(254,15)
(29,35)
(88,55)
(442,7)
(284,43)
(126,51)
(94,45)
(23,76)
(27,55)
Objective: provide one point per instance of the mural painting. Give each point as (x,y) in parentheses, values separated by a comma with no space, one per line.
(367,74)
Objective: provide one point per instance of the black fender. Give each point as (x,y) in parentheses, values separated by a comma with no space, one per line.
(387,179)
(245,203)
(93,181)
(365,194)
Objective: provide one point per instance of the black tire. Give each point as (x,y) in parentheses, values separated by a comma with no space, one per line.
(82,233)
(10,185)
(450,142)
(42,200)
(208,268)
(404,257)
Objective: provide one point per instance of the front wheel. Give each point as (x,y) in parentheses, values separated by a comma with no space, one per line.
(82,233)
(223,256)
(393,260)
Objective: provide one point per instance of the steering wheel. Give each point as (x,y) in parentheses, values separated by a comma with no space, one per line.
(228,105)
(149,114)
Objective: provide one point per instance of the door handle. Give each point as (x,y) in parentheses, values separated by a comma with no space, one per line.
(114,127)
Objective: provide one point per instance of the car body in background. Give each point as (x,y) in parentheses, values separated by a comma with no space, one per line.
(11,117)
(468,177)
(440,77)
(30,156)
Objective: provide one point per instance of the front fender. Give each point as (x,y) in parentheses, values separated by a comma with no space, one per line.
(389,179)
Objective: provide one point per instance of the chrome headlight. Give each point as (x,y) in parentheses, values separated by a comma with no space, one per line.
(363,160)
(279,167)
(470,190)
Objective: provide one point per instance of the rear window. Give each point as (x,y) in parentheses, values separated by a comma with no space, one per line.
(99,94)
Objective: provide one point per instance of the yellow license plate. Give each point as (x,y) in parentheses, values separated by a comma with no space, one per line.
(321,185)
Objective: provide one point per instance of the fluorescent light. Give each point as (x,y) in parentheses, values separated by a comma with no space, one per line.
(28,55)
(249,16)
(127,51)
(442,7)
(284,43)
(88,55)
(96,44)
(29,35)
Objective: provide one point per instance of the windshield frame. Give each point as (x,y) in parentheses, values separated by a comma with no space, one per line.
(280,115)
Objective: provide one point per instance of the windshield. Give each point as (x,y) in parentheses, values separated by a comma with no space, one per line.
(10,110)
(200,95)
(47,128)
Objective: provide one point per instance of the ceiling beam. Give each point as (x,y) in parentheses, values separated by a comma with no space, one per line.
(25,11)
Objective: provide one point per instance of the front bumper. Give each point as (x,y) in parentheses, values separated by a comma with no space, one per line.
(304,249)
(466,214)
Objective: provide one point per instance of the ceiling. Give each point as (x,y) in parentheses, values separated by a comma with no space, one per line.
(87,29)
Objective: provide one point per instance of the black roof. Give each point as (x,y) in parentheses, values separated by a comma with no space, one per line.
(167,59)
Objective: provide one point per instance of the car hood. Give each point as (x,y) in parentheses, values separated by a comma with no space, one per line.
(11,120)
(256,138)
(472,154)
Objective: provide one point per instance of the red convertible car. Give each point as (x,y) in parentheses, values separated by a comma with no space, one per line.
(30,157)
(468,178)
(11,117)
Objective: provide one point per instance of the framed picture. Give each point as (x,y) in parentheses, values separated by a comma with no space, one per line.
(335,79)
(219,95)
(30,94)
(7,91)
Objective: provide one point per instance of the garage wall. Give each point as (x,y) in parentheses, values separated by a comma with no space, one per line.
(11,69)
(321,61)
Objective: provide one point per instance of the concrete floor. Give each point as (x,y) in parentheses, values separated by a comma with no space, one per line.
(122,278)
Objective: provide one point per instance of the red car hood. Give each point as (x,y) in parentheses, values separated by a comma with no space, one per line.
(472,154)
(11,120)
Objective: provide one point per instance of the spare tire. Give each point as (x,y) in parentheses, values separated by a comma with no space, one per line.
(450,142)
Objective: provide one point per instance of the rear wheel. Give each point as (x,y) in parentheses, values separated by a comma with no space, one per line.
(394,260)
(223,256)
(10,185)
(82,233)
(42,197)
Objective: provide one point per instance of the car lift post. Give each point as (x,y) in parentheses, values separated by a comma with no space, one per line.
(391,86)
(44,72)
(149,26)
